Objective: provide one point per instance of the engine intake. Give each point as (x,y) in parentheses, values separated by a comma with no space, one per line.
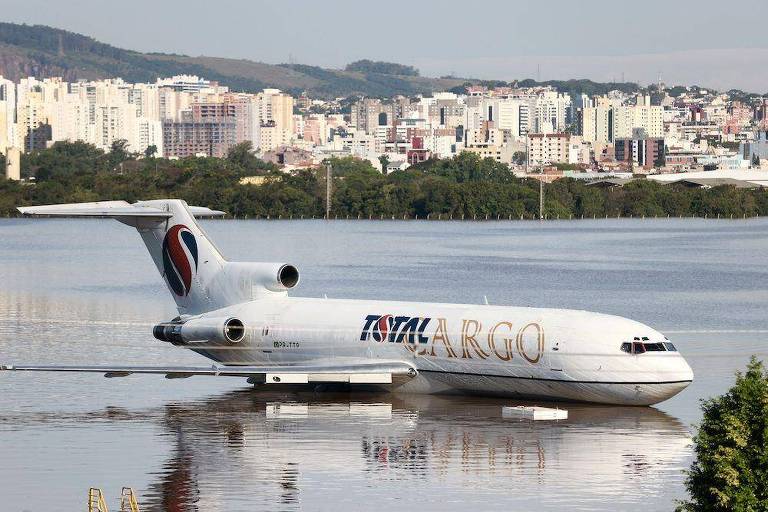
(201,330)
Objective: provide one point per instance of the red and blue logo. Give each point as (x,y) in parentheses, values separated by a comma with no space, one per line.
(179,258)
(395,329)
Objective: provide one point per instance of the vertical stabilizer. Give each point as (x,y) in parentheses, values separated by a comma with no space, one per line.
(196,273)
(184,256)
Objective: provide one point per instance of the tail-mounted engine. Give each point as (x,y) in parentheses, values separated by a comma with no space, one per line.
(201,330)
(245,281)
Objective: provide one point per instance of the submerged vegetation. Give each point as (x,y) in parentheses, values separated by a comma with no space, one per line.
(464,186)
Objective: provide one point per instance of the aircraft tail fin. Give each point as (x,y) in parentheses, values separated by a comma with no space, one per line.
(186,258)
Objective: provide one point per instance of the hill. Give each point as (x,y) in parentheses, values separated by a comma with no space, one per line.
(36,50)
(41,51)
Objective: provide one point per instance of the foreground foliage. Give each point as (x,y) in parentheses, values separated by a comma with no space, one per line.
(731,467)
(464,186)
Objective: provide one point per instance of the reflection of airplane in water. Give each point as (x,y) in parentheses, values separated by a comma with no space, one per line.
(298,448)
(238,314)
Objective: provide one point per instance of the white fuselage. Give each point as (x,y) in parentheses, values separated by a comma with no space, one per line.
(531,353)
(239,314)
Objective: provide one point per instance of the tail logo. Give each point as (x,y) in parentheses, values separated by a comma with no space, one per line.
(179,258)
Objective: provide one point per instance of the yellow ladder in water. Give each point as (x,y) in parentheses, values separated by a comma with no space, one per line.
(96,501)
(128,502)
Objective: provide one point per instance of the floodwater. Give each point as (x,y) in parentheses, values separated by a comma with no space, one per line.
(86,292)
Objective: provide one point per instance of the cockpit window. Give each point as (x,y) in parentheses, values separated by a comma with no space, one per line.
(641,347)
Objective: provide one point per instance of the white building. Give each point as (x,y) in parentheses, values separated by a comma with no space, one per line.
(545,149)
(275,109)
(8,136)
(552,112)
(607,120)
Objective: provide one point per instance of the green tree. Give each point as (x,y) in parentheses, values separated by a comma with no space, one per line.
(384,161)
(118,152)
(519,157)
(151,151)
(350,165)
(241,154)
(386,68)
(731,467)
(243,157)
(465,185)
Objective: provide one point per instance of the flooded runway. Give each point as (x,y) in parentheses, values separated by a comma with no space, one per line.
(86,292)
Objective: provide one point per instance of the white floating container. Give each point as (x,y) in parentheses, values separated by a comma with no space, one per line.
(522,412)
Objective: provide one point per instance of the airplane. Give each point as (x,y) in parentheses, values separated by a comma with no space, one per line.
(240,316)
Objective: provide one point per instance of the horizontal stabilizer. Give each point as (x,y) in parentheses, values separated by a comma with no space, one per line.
(112,209)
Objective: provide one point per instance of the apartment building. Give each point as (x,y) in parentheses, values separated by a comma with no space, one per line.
(275,109)
(608,120)
(646,152)
(548,148)
(207,129)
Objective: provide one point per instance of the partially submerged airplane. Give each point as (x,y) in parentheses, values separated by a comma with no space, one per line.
(240,315)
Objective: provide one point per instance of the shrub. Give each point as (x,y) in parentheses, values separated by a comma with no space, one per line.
(731,467)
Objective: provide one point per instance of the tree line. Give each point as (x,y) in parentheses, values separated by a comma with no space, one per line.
(463,186)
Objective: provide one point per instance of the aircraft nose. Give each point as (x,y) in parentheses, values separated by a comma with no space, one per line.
(684,370)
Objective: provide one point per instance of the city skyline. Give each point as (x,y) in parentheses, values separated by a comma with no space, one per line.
(714,46)
(538,127)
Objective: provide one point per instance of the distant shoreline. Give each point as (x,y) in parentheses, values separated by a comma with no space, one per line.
(448,218)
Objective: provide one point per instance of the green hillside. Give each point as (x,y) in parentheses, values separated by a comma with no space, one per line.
(40,51)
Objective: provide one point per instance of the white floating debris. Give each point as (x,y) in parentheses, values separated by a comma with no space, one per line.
(534,413)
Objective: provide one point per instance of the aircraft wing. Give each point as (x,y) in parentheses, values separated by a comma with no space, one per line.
(374,372)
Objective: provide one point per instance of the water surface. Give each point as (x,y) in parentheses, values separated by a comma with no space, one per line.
(87,292)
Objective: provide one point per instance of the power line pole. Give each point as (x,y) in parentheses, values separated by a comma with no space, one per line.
(328,190)
(541,194)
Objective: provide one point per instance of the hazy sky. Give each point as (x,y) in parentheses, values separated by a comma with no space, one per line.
(718,44)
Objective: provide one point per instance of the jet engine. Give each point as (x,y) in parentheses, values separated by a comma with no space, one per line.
(247,279)
(200,330)
(276,277)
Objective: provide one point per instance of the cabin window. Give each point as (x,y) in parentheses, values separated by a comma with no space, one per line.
(626,347)
(638,348)
(669,346)
(653,347)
